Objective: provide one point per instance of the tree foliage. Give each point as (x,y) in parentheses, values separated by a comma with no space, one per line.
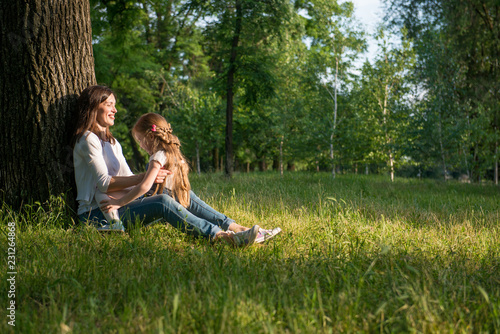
(271,84)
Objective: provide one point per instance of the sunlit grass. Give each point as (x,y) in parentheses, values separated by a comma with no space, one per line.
(357,254)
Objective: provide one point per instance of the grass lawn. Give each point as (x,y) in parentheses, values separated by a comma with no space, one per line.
(357,254)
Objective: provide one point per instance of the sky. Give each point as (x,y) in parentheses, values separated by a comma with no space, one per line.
(369,13)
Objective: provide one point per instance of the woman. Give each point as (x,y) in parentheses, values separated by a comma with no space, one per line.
(99,164)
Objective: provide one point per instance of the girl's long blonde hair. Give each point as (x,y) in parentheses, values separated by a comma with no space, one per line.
(157,135)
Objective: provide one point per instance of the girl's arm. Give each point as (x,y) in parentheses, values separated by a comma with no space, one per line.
(123,182)
(137,191)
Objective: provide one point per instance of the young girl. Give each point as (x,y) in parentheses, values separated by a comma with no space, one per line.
(154,135)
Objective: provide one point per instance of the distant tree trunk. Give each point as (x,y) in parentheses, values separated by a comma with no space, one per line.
(230,90)
(441,147)
(276,163)
(46,60)
(263,164)
(388,137)
(215,159)
(281,156)
(496,163)
(495,128)
(334,116)
(198,168)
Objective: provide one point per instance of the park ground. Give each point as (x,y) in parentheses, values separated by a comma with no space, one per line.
(357,254)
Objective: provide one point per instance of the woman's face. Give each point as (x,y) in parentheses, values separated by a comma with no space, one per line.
(106,112)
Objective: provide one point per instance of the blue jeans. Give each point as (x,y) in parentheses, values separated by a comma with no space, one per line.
(198,219)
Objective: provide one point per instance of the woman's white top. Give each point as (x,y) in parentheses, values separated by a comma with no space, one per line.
(95,163)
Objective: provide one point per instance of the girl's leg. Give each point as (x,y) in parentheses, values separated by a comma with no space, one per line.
(202,210)
(163,207)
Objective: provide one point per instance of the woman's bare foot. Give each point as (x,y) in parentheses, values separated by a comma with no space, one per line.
(237,228)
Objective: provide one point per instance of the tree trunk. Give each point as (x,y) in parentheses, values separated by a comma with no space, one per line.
(198,168)
(276,163)
(496,163)
(441,147)
(281,156)
(230,90)
(46,60)
(262,164)
(334,116)
(388,138)
(215,159)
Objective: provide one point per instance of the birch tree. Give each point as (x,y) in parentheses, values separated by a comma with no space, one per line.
(387,81)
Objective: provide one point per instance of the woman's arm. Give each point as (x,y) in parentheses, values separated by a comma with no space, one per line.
(137,191)
(122,182)
(90,149)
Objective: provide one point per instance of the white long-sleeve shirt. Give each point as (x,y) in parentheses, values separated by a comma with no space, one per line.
(95,163)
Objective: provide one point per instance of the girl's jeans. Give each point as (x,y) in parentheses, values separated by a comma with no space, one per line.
(198,219)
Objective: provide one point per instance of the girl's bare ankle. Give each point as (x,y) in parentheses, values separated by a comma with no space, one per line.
(237,228)
(224,236)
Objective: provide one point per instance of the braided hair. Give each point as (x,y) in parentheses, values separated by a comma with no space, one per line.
(157,134)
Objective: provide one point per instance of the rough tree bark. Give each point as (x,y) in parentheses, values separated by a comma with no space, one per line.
(46,60)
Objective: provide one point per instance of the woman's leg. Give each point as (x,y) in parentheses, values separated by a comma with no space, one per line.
(163,207)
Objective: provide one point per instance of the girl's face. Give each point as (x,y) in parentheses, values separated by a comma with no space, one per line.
(106,112)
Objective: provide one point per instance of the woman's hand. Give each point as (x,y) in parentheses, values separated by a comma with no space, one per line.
(110,204)
(162,174)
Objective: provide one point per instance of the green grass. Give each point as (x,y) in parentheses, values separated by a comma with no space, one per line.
(357,254)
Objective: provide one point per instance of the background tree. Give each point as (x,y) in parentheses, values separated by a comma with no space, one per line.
(387,79)
(45,62)
(240,36)
(468,75)
(336,42)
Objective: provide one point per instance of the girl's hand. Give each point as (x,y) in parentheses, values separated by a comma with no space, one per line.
(108,205)
(162,174)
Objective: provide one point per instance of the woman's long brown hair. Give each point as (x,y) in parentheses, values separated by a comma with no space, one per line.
(88,105)
(156,132)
